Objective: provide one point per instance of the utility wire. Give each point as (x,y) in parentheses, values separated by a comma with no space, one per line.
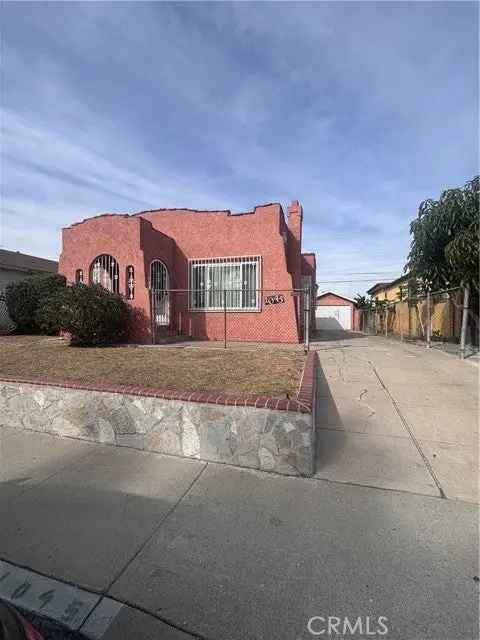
(361,273)
(343,281)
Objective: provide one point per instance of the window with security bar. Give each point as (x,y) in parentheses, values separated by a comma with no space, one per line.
(130,276)
(239,278)
(104,271)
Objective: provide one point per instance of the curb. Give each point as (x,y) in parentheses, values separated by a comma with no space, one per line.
(69,607)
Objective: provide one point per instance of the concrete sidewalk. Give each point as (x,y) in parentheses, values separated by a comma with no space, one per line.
(397,416)
(216,552)
(153,547)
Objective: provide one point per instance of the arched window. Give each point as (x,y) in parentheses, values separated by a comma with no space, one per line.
(130,273)
(104,271)
(79,276)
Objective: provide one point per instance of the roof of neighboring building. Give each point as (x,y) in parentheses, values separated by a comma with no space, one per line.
(16,261)
(337,295)
(380,286)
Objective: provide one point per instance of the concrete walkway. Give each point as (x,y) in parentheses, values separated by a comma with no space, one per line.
(164,548)
(397,416)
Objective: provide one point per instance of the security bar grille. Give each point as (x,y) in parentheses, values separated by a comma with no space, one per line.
(236,279)
(159,293)
(130,282)
(104,271)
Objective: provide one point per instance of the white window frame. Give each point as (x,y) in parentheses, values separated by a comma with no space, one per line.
(225,262)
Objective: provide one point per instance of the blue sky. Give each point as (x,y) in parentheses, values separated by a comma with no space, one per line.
(359,110)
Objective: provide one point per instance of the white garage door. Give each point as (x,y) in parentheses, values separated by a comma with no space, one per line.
(331,318)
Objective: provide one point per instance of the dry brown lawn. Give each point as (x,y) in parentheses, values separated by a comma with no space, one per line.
(266,371)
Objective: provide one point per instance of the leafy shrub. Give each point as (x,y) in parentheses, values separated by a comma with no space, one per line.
(90,314)
(26,296)
(49,312)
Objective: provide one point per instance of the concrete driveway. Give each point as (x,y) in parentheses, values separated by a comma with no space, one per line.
(166,548)
(396,416)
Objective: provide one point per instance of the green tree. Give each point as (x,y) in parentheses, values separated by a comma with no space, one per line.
(360,301)
(445,239)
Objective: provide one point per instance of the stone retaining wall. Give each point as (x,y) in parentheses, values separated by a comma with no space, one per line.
(261,438)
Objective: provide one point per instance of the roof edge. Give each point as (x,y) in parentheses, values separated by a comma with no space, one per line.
(337,295)
(379,286)
(100,215)
(146,212)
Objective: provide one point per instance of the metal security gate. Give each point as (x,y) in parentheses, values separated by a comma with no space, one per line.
(160,298)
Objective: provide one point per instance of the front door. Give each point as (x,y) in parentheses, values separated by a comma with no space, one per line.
(159,290)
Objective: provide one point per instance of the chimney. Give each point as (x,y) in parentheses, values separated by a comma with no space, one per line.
(295,218)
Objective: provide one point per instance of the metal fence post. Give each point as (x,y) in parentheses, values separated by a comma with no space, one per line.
(409,308)
(225,318)
(152,316)
(463,335)
(429,319)
(307,321)
(400,323)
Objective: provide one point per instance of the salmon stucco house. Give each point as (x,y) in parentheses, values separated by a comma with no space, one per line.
(180,268)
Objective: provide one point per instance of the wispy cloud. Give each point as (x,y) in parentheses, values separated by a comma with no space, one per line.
(360,110)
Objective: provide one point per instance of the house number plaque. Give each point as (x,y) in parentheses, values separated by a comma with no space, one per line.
(275,299)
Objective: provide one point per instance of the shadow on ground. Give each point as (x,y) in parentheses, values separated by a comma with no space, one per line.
(229,553)
(326,413)
(334,335)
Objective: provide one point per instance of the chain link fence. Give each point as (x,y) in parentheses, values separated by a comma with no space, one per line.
(431,317)
(232,316)
(225,316)
(6,323)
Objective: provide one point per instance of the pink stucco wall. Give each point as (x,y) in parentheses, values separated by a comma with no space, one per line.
(177,235)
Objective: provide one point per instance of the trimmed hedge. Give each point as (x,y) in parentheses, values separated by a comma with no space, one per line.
(48,313)
(26,296)
(92,315)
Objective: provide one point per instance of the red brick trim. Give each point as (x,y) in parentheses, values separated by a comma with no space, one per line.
(303,403)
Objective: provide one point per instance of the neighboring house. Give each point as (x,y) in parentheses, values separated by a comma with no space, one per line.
(390,291)
(174,264)
(334,312)
(15,266)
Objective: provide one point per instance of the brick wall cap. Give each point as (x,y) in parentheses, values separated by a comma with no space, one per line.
(303,403)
